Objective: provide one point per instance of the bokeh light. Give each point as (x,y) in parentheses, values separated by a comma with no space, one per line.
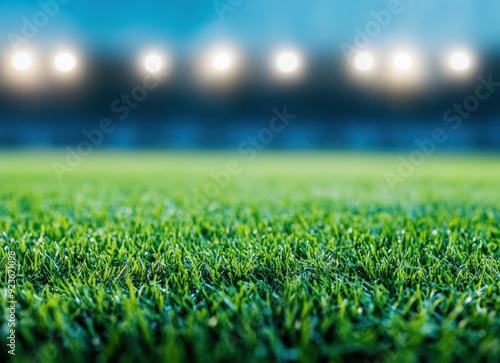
(222,61)
(287,62)
(403,62)
(364,62)
(65,62)
(153,63)
(459,61)
(21,61)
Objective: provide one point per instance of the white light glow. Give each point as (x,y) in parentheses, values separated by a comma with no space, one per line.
(222,61)
(21,61)
(287,62)
(153,63)
(403,62)
(364,62)
(65,62)
(459,61)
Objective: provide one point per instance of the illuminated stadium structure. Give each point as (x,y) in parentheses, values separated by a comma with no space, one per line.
(286,62)
(226,87)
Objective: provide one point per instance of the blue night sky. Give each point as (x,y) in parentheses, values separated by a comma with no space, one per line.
(258,24)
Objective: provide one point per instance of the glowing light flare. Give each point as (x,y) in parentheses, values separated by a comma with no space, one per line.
(459,61)
(219,65)
(21,61)
(65,62)
(364,62)
(287,62)
(403,62)
(222,62)
(153,63)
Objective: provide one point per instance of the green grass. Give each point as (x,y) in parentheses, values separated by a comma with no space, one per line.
(302,257)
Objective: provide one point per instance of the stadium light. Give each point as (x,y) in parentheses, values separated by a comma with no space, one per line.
(153,63)
(403,62)
(364,62)
(21,61)
(65,62)
(459,61)
(219,64)
(222,61)
(287,62)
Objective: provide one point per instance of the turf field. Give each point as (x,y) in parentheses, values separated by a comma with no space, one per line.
(301,257)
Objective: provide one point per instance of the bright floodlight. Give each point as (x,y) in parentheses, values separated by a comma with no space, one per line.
(288,62)
(459,61)
(403,62)
(153,63)
(65,62)
(21,61)
(364,62)
(222,61)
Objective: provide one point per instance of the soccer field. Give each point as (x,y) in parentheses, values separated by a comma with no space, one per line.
(208,257)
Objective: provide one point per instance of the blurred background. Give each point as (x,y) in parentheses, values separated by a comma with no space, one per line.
(200,101)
